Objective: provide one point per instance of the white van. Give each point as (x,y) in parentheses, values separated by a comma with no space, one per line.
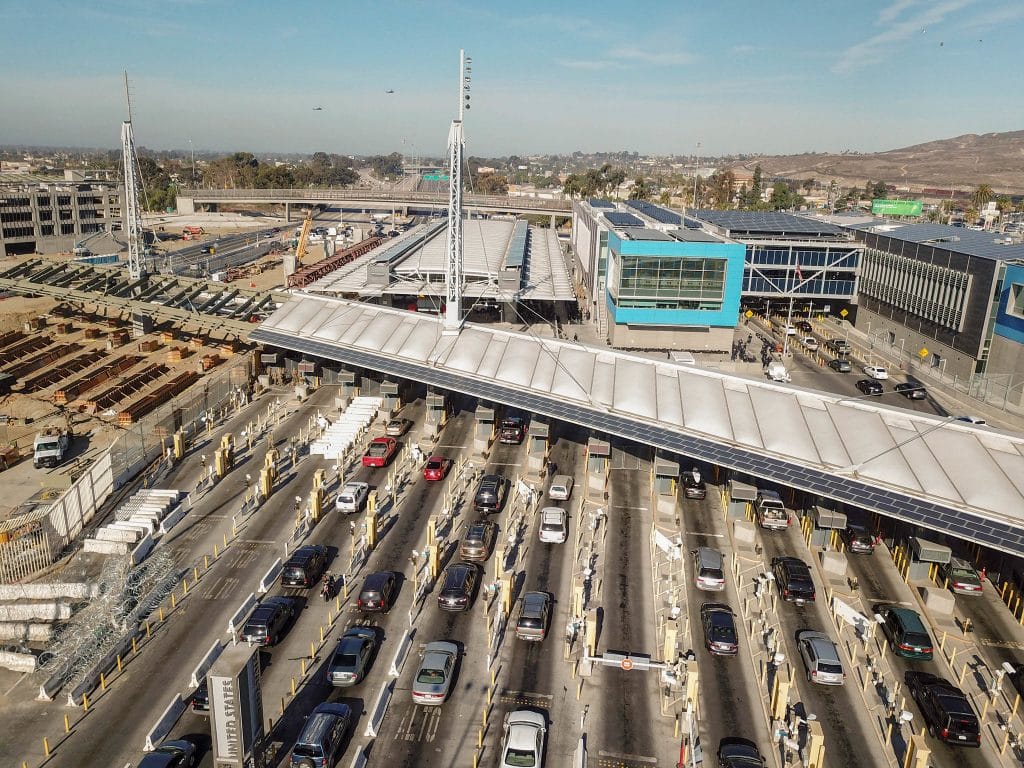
(561,487)
(352,497)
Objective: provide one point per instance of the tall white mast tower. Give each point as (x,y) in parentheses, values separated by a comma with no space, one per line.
(132,212)
(456,146)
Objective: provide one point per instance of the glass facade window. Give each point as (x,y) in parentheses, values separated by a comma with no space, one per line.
(782,255)
(677,279)
(1015,306)
(929,291)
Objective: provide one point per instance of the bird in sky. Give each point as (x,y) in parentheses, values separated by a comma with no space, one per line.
(389,91)
(318,109)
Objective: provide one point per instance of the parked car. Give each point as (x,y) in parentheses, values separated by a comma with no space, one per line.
(793,578)
(840,365)
(378,592)
(534,616)
(709,569)
(905,632)
(177,753)
(789,330)
(560,488)
(353,656)
(352,497)
(523,743)
(512,430)
(859,539)
(839,346)
(804,327)
(458,587)
(911,391)
(433,677)
(771,513)
(436,468)
(810,343)
(821,658)
(739,753)
(397,427)
(490,494)
(305,567)
(269,620)
(719,624)
(380,452)
(478,543)
(869,386)
(694,486)
(961,576)
(875,372)
(946,710)
(323,735)
(554,525)
(201,698)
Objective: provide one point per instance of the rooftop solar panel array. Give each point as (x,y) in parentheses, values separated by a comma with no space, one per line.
(656,212)
(596,202)
(620,219)
(405,245)
(972,242)
(515,255)
(766,223)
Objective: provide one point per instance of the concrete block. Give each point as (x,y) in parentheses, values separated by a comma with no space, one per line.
(400,654)
(118,534)
(380,708)
(744,532)
(106,547)
(142,550)
(238,620)
(173,519)
(267,582)
(25,632)
(199,673)
(938,601)
(48,591)
(18,662)
(834,562)
(163,726)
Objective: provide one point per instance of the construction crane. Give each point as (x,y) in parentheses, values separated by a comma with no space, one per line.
(300,249)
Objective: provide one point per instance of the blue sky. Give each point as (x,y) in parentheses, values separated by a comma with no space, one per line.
(652,77)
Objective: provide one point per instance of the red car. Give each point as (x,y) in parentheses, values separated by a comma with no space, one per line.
(380,452)
(437,467)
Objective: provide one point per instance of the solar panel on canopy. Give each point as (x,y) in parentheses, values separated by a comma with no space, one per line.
(656,212)
(596,202)
(620,219)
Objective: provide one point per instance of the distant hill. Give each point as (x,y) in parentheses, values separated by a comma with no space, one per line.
(996,159)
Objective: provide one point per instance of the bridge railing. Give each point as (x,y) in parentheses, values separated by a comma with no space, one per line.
(342,195)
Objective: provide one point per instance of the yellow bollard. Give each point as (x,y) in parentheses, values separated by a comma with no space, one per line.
(302,665)
(119,668)
(225,541)
(312,650)
(184,587)
(103,682)
(174,601)
(337,602)
(330,617)
(161,614)
(135,648)
(195,573)
(293,686)
(321,634)
(215,552)
(206,562)
(479,739)
(85,702)
(282,705)
(46,746)
(67,724)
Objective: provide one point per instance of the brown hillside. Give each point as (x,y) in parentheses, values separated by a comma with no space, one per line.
(963,162)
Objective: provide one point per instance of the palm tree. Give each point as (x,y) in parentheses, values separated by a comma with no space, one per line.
(982,195)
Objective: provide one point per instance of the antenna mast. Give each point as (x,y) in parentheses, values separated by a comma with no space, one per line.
(132,213)
(456,147)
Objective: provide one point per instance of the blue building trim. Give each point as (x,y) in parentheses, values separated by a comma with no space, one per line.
(1010,326)
(727,316)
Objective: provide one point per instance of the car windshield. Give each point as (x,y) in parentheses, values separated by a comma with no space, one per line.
(964,573)
(345,660)
(430,676)
(526,758)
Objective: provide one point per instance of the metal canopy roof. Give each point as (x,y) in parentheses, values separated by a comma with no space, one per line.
(945,475)
(767,223)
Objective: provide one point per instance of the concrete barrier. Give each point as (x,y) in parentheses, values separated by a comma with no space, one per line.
(834,562)
(25,631)
(401,653)
(199,673)
(235,622)
(579,759)
(92,678)
(73,589)
(49,688)
(48,611)
(173,519)
(267,582)
(380,708)
(126,535)
(142,550)
(163,726)
(359,759)
(106,547)
(938,601)
(18,662)
(744,532)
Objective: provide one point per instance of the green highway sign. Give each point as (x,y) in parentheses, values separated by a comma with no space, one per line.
(435,177)
(896,207)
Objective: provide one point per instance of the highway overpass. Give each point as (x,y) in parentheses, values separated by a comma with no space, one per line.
(365,200)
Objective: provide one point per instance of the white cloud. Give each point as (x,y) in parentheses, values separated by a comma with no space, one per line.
(894,11)
(590,65)
(657,58)
(881,45)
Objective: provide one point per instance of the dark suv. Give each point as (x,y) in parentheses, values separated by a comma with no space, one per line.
(458,587)
(947,711)
(793,578)
(907,634)
(322,736)
(378,592)
(512,430)
(269,620)
(305,567)
(490,494)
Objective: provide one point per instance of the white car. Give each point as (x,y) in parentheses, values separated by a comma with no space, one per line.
(876,372)
(523,744)
(790,330)
(810,342)
(554,525)
(352,497)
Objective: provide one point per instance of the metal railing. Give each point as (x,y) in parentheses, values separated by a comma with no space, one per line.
(503,202)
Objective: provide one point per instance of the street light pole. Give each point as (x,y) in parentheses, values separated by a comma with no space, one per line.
(193,152)
(695,176)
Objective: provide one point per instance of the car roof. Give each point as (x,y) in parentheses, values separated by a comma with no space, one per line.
(523,725)
(535,600)
(549,512)
(304,554)
(377,579)
(355,486)
(321,720)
